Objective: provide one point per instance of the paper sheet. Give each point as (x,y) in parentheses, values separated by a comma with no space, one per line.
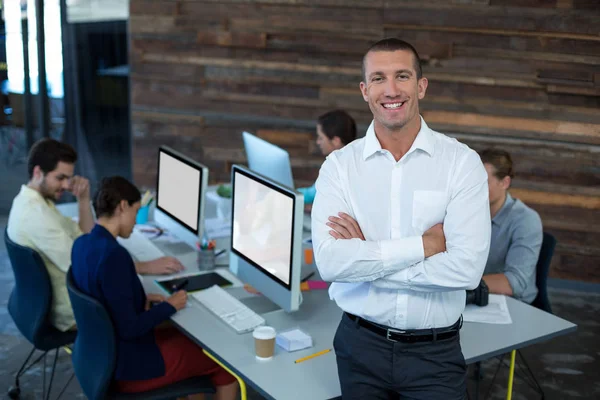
(217,228)
(496,312)
(293,340)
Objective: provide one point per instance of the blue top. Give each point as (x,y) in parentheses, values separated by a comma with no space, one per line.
(309,194)
(515,247)
(103,269)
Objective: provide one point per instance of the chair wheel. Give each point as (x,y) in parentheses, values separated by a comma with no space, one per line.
(14,393)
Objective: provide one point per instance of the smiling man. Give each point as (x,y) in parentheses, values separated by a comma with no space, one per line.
(401,226)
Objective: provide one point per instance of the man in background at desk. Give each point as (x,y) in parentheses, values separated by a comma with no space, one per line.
(397,273)
(516,234)
(335,129)
(35,222)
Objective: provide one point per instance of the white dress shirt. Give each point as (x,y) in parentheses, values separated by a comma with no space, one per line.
(36,223)
(386,279)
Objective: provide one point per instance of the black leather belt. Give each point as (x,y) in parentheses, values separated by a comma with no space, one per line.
(409,336)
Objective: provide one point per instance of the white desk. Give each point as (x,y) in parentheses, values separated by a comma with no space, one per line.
(281,378)
(317,378)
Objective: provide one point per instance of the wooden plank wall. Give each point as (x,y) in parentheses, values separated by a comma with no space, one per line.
(523,75)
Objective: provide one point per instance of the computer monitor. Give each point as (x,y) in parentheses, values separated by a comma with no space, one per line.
(181,187)
(266,236)
(268,160)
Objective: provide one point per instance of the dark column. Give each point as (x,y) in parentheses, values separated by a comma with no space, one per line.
(41,52)
(27,105)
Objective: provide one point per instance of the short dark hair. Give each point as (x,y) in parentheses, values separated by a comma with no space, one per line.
(338,123)
(111,192)
(47,153)
(500,160)
(394,44)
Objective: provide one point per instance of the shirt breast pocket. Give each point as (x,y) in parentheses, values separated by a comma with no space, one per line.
(429,209)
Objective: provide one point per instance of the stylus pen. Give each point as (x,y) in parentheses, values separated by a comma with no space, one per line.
(218,253)
(307,277)
(183,284)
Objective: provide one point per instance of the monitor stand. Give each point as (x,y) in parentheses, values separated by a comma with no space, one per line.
(256,302)
(261,304)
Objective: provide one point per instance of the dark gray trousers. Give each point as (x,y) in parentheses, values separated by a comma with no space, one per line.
(372,367)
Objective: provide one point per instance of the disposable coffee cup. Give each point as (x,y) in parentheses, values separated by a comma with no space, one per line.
(264,342)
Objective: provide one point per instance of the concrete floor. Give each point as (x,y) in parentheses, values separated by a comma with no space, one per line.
(567,367)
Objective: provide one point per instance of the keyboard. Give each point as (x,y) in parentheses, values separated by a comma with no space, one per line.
(229,309)
(140,247)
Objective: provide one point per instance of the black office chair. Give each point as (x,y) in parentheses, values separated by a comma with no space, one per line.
(542,271)
(29,307)
(94,355)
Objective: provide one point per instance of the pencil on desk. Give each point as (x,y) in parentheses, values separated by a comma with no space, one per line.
(320,353)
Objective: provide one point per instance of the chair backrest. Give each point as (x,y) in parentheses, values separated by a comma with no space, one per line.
(30,300)
(94,354)
(542,270)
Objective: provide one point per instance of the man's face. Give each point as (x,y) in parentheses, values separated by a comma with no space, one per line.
(497,187)
(326,145)
(392,88)
(56,182)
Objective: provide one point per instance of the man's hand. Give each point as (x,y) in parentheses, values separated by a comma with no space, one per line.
(434,241)
(160,266)
(80,187)
(344,227)
(498,284)
(154,298)
(178,299)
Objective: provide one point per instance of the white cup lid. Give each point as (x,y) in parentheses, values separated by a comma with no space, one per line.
(264,332)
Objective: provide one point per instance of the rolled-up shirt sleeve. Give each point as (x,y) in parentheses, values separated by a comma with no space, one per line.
(522,257)
(353,260)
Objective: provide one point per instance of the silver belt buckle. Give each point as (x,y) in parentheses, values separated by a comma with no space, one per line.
(389,333)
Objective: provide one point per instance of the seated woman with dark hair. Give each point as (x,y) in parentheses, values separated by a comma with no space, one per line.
(147,357)
(335,129)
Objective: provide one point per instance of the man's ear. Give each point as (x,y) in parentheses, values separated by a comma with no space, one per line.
(364,92)
(337,142)
(37,175)
(506,181)
(422,87)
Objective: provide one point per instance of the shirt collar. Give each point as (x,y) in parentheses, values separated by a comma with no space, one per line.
(504,210)
(32,194)
(101,231)
(424,141)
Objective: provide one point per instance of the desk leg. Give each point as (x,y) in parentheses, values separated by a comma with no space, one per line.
(511,374)
(477,379)
(243,394)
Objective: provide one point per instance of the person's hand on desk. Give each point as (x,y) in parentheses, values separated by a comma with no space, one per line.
(153,298)
(434,240)
(160,266)
(344,227)
(178,299)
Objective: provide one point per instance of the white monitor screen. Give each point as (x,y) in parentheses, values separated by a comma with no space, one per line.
(178,189)
(262,226)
